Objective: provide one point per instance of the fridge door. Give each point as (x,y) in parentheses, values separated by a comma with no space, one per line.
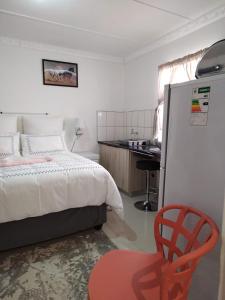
(222,261)
(164,146)
(195,167)
(161,188)
(165,125)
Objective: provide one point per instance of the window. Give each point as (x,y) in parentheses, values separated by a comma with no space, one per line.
(179,70)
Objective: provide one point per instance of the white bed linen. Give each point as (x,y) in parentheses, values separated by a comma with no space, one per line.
(68,181)
(42,125)
(36,145)
(8,124)
(9,145)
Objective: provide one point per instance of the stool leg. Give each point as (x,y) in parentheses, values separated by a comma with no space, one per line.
(146,205)
(148,185)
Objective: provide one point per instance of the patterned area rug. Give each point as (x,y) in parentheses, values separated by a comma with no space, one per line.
(56,269)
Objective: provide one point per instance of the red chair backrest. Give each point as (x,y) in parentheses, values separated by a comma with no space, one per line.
(192,234)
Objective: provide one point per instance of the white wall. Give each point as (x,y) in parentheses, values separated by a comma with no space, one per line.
(101,85)
(141,73)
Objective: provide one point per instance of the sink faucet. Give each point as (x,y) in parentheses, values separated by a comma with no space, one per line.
(133,132)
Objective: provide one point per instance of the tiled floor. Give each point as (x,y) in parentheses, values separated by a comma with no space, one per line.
(135,231)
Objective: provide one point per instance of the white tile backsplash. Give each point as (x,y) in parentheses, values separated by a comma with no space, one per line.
(141,132)
(129,118)
(129,135)
(118,125)
(151,134)
(119,119)
(110,119)
(148,133)
(102,134)
(148,118)
(134,118)
(141,118)
(110,133)
(101,118)
(119,133)
(153,114)
(125,119)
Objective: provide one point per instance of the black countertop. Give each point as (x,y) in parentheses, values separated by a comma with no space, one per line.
(150,151)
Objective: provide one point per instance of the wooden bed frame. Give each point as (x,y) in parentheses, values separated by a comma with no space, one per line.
(33,230)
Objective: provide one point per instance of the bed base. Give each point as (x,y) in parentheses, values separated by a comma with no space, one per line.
(33,230)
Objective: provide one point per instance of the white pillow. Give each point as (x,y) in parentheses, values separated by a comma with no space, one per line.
(42,125)
(42,144)
(9,145)
(8,124)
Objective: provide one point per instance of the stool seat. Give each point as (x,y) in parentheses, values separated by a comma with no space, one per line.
(148,165)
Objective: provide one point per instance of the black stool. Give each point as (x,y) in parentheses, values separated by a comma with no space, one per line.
(147,165)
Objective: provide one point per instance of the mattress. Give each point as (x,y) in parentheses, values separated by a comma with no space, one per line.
(66,181)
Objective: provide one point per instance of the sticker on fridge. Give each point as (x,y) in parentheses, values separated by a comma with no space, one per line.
(200,106)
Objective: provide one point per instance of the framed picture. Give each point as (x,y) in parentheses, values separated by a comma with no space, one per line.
(60,73)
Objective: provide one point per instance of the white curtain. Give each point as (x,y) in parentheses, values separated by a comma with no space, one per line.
(180,70)
(158,124)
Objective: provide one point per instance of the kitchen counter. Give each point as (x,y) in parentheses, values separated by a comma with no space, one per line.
(120,160)
(148,151)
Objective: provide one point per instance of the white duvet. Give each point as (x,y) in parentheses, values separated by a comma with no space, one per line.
(68,181)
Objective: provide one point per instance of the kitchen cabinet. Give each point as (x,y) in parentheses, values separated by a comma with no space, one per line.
(121,164)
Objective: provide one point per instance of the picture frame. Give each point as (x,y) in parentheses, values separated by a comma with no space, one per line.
(60,73)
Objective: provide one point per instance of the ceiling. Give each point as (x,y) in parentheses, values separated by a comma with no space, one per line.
(111,27)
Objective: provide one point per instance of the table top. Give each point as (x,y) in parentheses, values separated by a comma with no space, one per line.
(150,151)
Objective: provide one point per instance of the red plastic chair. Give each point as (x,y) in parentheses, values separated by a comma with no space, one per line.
(165,275)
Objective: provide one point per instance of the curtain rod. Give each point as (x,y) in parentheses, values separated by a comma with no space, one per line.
(181,59)
(22,113)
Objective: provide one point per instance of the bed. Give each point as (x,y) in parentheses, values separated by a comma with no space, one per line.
(41,200)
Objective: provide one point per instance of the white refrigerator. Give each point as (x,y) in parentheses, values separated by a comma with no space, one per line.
(193,163)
